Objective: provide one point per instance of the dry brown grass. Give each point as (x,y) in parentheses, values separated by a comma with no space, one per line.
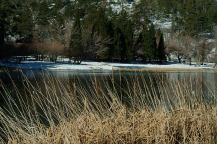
(183,126)
(169,111)
(168,70)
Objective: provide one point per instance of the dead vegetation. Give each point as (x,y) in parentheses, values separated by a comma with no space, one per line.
(144,111)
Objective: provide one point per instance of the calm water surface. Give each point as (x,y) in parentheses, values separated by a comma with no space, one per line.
(207,81)
(204,81)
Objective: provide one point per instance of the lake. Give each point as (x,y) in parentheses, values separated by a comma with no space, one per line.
(205,82)
(153,88)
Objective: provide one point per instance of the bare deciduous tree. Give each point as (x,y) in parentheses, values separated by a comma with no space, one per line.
(96,46)
(182,46)
(203,49)
(175,47)
(189,47)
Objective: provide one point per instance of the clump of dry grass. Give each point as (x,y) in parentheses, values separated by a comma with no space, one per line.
(182,126)
(132,110)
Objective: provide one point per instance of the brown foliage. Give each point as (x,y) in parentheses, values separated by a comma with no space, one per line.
(177,115)
(183,46)
(48,47)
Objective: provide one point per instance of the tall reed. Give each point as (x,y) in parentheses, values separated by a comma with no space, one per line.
(142,108)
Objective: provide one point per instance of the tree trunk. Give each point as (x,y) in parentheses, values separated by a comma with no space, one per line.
(2,38)
(179,59)
(2,32)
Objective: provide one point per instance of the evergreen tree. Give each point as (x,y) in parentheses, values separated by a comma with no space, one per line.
(105,33)
(190,16)
(75,49)
(6,16)
(120,45)
(110,31)
(138,49)
(101,27)
(44,14)
(23,24)
(3,23)
(15,20)
(161,56)
(150,44)
(124,23)
(127,27)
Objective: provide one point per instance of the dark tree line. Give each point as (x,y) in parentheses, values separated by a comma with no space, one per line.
(98,30)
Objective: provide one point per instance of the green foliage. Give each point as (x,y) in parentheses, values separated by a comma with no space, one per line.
(161,55)
(150,51)
(124,32)
(6,16)
(97,31)
(120,45)
(75,47)
(100,33)
(190,16)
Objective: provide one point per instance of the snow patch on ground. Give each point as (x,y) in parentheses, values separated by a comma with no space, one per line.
(99,66)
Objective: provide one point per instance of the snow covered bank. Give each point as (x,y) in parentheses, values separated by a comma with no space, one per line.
(43,65)
(99,66)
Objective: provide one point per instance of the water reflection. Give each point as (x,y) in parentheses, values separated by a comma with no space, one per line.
(200,83)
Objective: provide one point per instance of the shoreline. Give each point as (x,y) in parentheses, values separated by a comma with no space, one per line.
(177,70)
(107,67)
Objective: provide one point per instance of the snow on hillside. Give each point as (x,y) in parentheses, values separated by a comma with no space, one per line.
(165,24)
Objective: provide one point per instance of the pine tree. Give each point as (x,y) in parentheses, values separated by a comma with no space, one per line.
(24,24)
(6,14)
(150,44)
(110,31)
(2,30)
(161,56)
(120,45)
(44,14)
(124,23)
(75,49)
(102,30)
(15,19)
(190,16)
(138,48)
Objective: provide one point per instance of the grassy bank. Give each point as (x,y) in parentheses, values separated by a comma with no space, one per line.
(132,110)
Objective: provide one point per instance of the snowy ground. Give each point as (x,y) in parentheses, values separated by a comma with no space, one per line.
(99,66)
